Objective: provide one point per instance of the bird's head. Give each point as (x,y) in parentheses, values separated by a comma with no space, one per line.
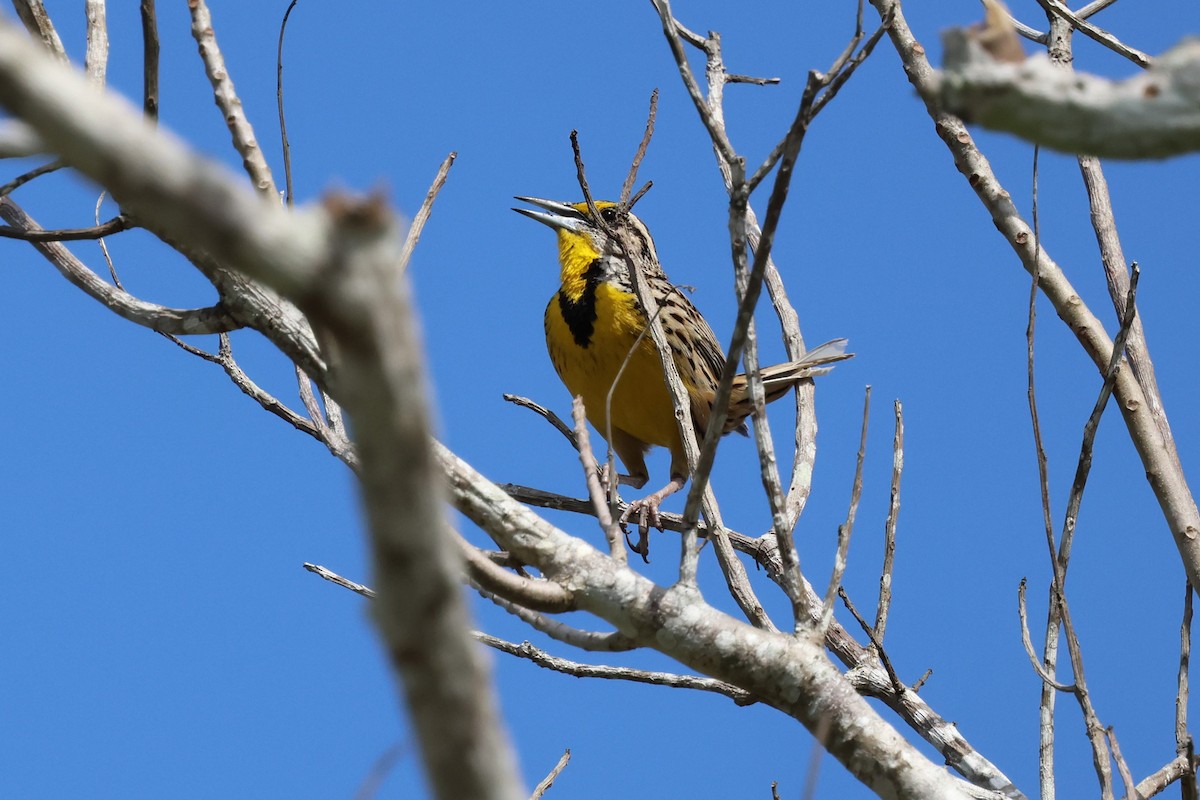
(582,239)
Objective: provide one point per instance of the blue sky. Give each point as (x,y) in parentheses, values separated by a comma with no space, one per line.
(160,635)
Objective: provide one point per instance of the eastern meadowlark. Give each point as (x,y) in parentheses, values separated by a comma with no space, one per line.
(593,323)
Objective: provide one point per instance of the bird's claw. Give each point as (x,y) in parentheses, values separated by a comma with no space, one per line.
(646,511)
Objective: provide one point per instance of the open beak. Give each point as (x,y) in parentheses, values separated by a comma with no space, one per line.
(561,216)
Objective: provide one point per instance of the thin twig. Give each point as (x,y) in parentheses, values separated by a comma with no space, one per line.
(897,687)
(112,268)
(822,87)
(591,475)
(847,528)
(548,781)
(768,468)
(1182,738)
(639,193)
(1096,34)
(1084,465)
(24,178)
(288,195)
(889,527)
(731,78)
(149,60)
(1045,667)
(422,215)
(309,399)
(750,293)
(543,659)
(115,225)
(1060,46)
(591,641)
(805,433)
(1122,767)
(252,390)
(627,187)
(240,129)
(844,69)
(581,176)
(1047,678)
(345,583)
(546,414)
(1092,7)
(674,31)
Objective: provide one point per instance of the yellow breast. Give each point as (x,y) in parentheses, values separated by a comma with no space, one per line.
(640,403)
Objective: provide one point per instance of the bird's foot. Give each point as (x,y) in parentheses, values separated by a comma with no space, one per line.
(645,512)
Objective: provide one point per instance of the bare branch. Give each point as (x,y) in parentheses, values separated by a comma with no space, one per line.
(897,686)
(1183,740)
(149,59)
(33,15)
(591,641)
(114,225)
(422,215)
(845,529)
(1149,115)
(627,187)
(546,414)
(716,131)
(309,399)
(1046,677)
(538,595)
(1093,7)
(288,195)
(333,577)
(889,528)
(1178,769)
(1122,767)
(24,178)
(1096,34)
(228,101)
(548,781)
(543,659)
(149,315)
(591,476)
(95,60)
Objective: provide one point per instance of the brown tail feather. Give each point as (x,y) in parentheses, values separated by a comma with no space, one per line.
(780,378)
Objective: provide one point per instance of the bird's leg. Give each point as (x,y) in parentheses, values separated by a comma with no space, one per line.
(647,509)
(636,481)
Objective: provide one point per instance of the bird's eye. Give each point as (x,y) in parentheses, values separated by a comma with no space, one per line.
(609,214)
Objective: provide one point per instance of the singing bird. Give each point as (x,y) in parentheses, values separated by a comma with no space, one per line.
(592,325)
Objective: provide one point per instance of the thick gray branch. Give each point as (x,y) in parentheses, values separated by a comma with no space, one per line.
(339,265)
(1153,114)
